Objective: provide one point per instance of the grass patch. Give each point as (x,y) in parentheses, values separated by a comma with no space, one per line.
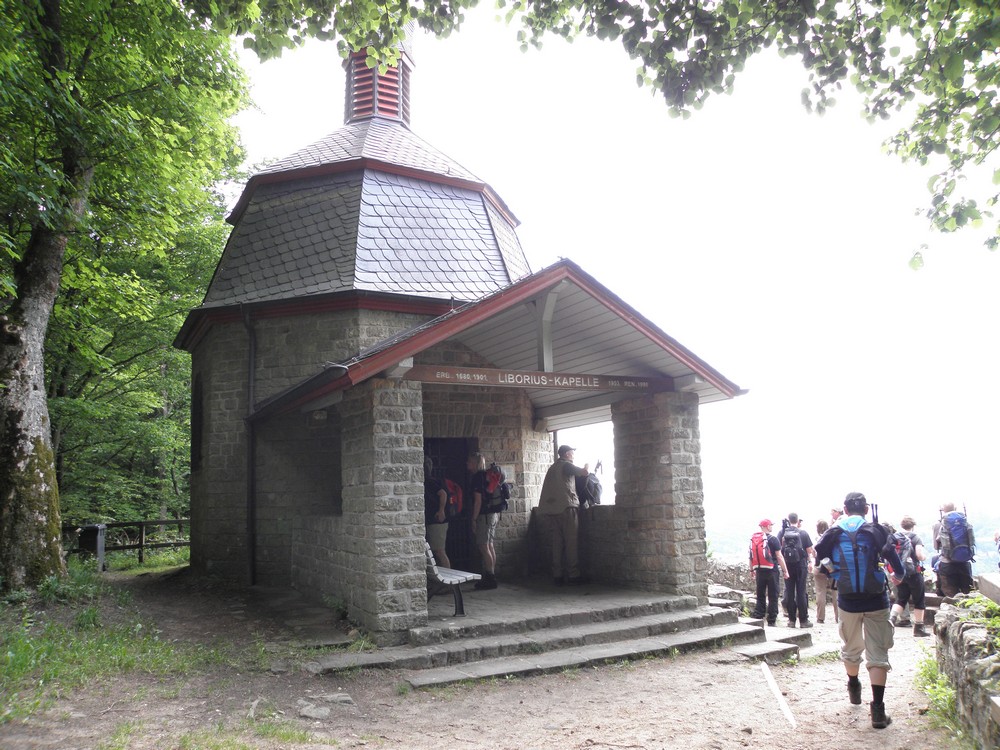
(153,560)
(121,736)
(58,640)
(278,730)
(943,711)
(827,656)
(217,739)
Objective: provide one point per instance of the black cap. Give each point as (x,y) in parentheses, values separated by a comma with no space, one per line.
(564,449)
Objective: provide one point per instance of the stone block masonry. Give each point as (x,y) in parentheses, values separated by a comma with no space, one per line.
(967,654)
(375,560)
(659,507)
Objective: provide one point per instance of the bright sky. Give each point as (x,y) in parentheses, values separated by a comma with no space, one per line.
(772,243)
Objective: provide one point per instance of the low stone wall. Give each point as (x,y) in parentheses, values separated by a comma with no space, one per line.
(736,575)
(732,574)
(966,654)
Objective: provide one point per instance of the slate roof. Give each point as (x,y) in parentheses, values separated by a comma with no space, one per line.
(371,207)
(379,139)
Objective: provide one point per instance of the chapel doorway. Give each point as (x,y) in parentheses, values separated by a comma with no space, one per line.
(449,456)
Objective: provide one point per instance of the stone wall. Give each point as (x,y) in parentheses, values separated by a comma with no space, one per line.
(218,487)
(297,459)
(968,656)
(654,536)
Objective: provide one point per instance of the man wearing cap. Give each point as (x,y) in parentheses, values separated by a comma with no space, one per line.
(767,582)
(864,613)
(558,507)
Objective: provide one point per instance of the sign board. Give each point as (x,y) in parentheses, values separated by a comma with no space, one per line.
(531,379)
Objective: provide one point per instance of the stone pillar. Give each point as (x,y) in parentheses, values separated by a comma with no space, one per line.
(383,501)
(659,495)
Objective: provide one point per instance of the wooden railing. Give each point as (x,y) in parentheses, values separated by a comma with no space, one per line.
(92,537)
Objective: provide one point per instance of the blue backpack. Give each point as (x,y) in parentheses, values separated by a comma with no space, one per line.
(855,559)
(956,538)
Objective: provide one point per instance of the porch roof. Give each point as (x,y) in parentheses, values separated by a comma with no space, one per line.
(558,319)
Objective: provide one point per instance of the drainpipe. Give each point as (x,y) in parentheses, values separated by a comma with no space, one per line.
(251,446)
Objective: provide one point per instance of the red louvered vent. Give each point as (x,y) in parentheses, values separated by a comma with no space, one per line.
(370,94)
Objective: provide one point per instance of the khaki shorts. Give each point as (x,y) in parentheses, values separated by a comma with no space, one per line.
(437,535)
(870,633)
(486,528)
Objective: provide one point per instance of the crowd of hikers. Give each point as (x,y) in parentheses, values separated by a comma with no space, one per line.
(871,572)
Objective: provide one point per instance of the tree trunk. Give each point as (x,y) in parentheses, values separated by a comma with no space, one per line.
(30,528)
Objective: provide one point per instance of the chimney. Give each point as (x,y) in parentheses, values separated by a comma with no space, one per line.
(371,94)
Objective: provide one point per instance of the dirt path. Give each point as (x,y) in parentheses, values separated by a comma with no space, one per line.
(703,700)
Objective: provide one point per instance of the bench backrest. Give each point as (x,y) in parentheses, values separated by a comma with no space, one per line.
(431,563)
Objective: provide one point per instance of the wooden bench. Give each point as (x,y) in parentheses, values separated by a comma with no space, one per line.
(453,579)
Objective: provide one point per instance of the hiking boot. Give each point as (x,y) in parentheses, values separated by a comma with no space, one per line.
(919,632)
(854,692)
(805,624)
(791,623)
(879,718)
(488,581)
(772,623)
(893,620)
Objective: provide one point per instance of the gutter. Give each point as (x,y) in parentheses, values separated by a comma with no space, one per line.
(251,449)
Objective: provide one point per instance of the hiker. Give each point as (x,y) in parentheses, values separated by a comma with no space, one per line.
(854,547)
(954,539)
(835,514)
(484,525)
(797,548)
(765,560)
(435,521)
(558,509)
(825,584)
(912,584)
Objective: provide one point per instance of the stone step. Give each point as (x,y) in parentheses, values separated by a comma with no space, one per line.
(819,650)
(800,638)
(721,602)
(715,591)
(543,640)
(493,616)
(773,652)
(569,658)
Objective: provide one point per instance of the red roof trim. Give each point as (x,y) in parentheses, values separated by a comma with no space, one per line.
(207,317)
(523,291)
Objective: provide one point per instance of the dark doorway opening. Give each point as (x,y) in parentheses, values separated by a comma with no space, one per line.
(449,456)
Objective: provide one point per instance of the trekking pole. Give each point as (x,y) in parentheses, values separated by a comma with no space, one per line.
(875,513)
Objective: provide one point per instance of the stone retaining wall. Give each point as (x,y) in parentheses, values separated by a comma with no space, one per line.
(966,654)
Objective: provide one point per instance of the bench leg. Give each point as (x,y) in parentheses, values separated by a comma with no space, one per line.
(459,604)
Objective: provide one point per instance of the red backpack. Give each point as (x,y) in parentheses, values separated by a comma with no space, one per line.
(453,508)
(760,552)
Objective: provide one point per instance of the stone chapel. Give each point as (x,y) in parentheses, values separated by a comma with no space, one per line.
(373,305)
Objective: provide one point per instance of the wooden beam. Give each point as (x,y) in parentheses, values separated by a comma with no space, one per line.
(545,309)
